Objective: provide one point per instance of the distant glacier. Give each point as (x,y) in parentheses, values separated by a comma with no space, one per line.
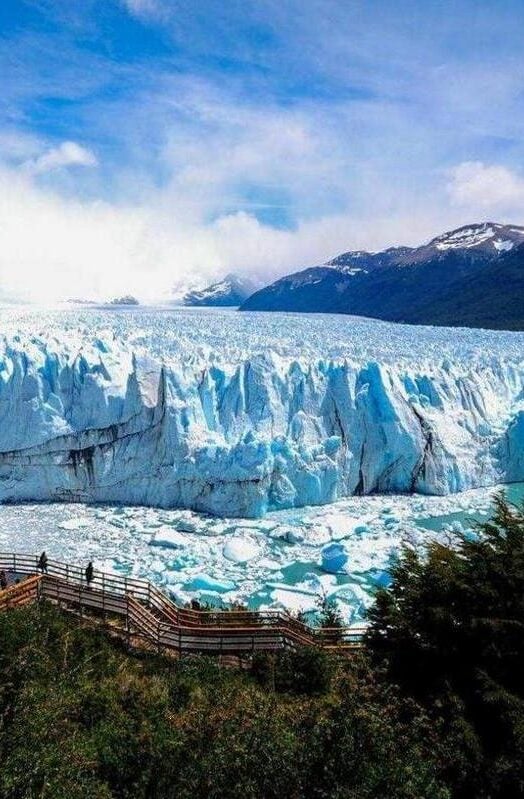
(237,414)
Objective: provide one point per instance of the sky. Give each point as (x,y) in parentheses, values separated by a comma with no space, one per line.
(148,145)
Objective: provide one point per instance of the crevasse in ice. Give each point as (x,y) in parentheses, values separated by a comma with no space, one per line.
(202,412)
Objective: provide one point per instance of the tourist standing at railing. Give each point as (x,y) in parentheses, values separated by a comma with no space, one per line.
(42,563)
(3,580)
(89,573)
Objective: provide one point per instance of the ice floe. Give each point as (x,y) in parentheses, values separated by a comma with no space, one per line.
(147,542)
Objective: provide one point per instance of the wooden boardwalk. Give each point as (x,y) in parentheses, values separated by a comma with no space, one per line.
(145,614)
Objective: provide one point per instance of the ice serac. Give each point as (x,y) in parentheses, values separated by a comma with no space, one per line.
(111,423)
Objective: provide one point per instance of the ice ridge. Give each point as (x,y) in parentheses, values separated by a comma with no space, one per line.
(110,422)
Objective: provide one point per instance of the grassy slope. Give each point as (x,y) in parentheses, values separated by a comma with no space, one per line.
(80,716)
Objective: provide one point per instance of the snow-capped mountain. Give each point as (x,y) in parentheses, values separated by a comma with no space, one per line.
(232,290)
(485,241)
(425,285)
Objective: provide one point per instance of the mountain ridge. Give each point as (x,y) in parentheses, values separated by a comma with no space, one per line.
(419,285)
(230,291)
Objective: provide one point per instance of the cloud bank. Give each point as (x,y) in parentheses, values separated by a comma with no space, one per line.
(147,145)
(67,154)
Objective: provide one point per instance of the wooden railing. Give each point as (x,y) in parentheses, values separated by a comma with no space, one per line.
(148,614)
(20,594)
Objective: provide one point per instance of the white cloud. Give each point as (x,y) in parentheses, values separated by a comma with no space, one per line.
(67,154)
(482,186)
(141,7)
(55,247)
(223,159)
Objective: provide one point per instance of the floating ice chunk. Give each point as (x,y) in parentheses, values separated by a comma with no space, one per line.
(184,561)
(297,588)
(143,529)
(381,578)
(292,600)
(121,567)
(333,558)
(261,525)
(240,550)
(360,529)
(391,520)
(269,564)
(319,583)
(312,581)
(210,597)
(180,597)
(172,539)
(117,521)
(187,524)
(157,566)
(352,592)
(74,524)
(342,525)
(204,582)
(292,535)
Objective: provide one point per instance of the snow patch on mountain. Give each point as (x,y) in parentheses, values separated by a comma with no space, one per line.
(476,235)
(232,290)
(503,245)
(491,234)
(465,237)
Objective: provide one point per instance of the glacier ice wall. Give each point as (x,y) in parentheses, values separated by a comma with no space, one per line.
(106,419)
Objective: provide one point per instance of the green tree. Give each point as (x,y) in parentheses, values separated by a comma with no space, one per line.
(450,630)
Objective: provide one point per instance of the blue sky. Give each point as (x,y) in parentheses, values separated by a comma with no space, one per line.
(150,143)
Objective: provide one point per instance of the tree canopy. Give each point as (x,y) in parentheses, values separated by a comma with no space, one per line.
(450,630)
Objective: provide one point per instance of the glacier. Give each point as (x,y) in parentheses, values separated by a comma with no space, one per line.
(240,414)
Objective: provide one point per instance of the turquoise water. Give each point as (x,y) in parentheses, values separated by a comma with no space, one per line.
(286,570)
(468,519)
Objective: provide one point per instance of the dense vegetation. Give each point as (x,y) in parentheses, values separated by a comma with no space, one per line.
(451,632)
(433,708)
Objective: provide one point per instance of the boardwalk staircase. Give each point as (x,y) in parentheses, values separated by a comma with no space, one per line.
(146,616)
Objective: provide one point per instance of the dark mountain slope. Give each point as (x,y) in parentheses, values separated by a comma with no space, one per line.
(492,298)
(423,285)
(317,286)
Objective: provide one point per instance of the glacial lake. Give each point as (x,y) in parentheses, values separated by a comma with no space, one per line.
(186,554)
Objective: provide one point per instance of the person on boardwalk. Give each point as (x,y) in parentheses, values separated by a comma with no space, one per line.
(89,573)
(42,563)
(3,580)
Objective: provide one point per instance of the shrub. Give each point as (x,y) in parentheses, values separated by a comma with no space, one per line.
(80,716)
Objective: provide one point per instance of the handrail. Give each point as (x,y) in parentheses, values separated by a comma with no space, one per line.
(17,593)
(144,600)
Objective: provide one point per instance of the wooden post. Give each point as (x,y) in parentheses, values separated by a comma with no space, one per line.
(128,630)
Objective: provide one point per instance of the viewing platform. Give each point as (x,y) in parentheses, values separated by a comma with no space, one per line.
(142,614)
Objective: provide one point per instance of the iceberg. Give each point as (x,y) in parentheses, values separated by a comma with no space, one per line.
(206,583)
(240,550)
(160,409)
(333,558)
(170,539)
